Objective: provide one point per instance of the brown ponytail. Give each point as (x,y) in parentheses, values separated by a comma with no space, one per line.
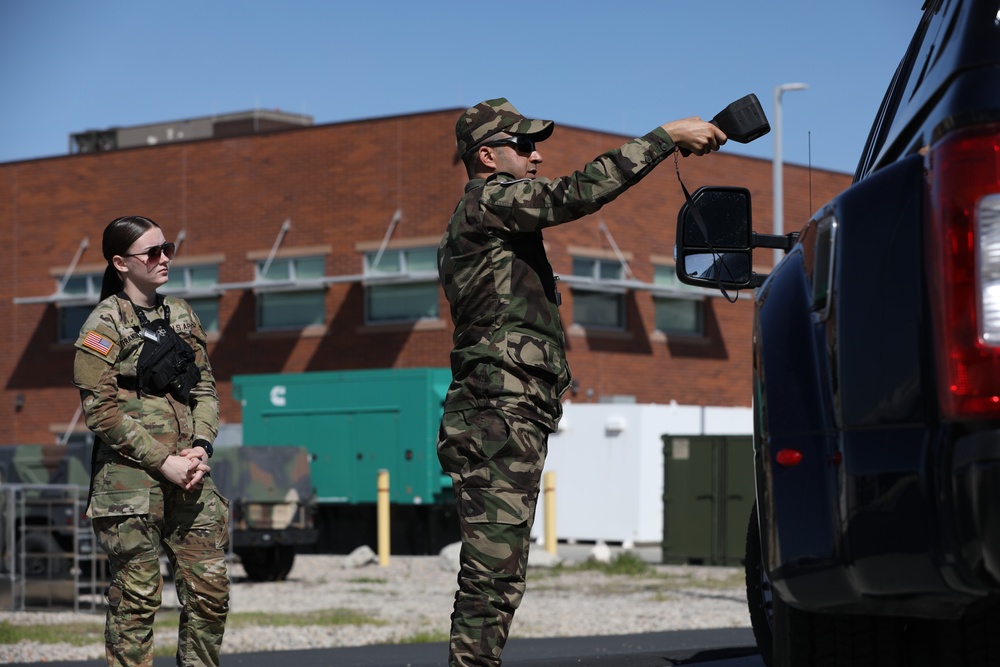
(119,236)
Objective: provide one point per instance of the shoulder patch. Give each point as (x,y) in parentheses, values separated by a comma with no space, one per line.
(97,342)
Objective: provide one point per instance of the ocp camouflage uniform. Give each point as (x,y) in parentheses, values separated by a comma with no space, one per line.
(509,363)
(134,508)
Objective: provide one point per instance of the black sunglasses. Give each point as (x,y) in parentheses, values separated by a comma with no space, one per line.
(153,254)
(520,144)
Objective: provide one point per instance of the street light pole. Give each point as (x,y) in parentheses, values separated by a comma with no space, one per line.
(779,208)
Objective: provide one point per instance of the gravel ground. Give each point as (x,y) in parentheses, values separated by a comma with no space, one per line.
(411,597)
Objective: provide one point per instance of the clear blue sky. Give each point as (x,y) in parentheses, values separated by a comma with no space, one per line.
(625,66)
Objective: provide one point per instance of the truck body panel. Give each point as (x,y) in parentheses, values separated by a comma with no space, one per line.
(877,377)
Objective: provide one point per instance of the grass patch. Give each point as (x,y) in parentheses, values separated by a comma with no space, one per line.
(425,637)
(367,580)
(319,617)
(165,629)
(166,625)
(624,563)
(77,634)
(628,573)
(735,580)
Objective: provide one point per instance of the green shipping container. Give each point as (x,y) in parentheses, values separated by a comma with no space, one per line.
(354,423)
(708,492)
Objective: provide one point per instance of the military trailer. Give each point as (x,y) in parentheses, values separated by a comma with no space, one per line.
(271,505)
(355,424)
(44,486)
(45,534)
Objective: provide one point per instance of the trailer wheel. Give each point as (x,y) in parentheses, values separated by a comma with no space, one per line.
(267,563)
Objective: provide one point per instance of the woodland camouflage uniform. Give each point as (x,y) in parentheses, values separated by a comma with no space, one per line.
(134,508)
(509,363)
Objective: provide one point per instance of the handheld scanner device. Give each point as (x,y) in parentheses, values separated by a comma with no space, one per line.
(742,121)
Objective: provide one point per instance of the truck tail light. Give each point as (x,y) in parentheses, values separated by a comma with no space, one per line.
(963,252)
(788,458)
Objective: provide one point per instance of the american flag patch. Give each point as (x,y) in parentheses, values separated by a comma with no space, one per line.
(97,342)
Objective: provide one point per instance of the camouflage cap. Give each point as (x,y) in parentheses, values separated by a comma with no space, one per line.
(492,117)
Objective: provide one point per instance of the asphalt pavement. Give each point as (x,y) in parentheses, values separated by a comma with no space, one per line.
(729,647)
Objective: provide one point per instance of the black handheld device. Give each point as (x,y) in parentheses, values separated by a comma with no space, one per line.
(742,121)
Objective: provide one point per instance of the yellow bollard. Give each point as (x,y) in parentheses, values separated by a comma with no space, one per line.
(549,495)
(383,517)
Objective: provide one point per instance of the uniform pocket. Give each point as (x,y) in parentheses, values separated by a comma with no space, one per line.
(504,506)
(542,373)
(538,356)
(222,537)
(204,517)
(121,522)
(127,502)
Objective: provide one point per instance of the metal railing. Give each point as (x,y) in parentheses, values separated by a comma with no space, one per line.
(48,554)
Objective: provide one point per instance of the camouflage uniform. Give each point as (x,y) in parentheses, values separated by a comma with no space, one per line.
(135,510)
(509,363)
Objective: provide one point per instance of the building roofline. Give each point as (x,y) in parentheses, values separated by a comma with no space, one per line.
(354,121)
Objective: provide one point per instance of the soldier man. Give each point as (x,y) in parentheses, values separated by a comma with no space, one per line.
(508,364)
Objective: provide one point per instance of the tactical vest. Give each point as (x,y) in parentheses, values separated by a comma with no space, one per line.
(166,362)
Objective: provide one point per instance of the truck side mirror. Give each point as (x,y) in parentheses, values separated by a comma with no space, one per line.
(715,239)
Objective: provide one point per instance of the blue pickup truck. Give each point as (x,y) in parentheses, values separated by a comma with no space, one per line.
(875,539)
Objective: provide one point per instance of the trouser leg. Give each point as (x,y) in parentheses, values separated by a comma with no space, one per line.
(133,596)
(495,460)
(196,538)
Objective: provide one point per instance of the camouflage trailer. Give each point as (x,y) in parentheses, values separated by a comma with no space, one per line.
(272,500)
(43,500)
(45,534)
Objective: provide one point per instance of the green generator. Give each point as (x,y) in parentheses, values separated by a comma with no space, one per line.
(354,423)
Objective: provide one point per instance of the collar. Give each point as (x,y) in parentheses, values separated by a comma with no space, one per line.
(474,183)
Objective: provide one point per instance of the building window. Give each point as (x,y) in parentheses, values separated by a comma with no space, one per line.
(676,313)
(71,320)
(85,287)
(596,304)
(76,438)
(196,284)
(296,297)
(401,285)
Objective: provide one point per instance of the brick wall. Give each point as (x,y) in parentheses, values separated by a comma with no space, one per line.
(339,185)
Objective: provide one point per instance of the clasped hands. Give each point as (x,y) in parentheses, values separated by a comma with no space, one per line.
(186,469)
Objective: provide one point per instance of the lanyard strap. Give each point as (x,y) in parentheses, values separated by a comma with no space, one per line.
(140,313)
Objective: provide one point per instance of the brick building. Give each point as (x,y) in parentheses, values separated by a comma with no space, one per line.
(311,247)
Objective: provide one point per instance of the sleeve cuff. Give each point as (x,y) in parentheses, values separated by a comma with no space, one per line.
(661,140)
(156,459)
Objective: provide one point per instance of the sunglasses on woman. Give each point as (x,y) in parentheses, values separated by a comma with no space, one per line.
(153,254)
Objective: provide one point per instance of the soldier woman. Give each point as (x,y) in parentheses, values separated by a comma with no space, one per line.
(149,397)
